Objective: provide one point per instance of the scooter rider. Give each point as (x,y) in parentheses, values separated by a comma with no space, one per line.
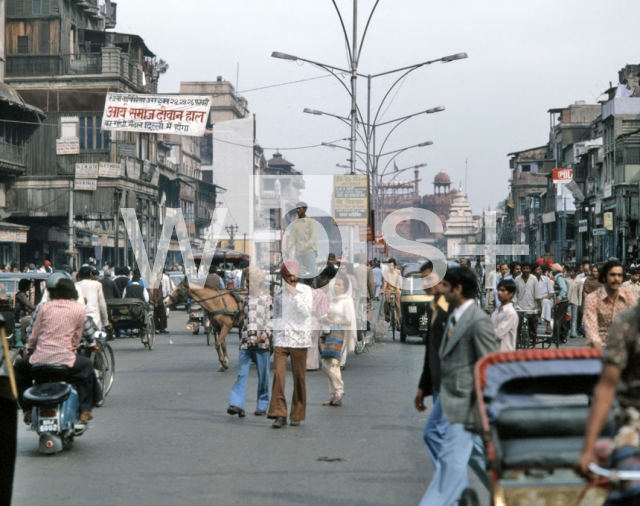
(57,327)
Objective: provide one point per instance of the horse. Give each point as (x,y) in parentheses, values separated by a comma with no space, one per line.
(223,307)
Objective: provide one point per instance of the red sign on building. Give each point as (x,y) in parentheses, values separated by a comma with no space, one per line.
(562,175)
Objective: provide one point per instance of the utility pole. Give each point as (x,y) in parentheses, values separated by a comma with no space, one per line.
(231,230)
(71,231)
(354,110)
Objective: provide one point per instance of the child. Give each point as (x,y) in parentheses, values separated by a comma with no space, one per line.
(505,319)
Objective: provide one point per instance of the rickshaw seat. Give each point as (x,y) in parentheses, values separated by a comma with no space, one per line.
(545,438)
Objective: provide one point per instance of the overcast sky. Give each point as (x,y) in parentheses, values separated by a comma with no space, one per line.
(525,57)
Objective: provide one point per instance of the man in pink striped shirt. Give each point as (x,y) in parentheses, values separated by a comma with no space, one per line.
(57,327)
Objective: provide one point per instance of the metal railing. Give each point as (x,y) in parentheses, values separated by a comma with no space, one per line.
(53,65)
(12,153)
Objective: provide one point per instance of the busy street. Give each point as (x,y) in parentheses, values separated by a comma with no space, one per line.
(163,434)
(354,252)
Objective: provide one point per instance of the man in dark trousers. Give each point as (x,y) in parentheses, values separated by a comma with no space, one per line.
(467,338)
(438,312)
(109,287)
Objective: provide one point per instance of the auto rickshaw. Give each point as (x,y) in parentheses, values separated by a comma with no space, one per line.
(413,305)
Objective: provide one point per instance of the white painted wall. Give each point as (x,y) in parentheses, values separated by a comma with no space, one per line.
(233,169)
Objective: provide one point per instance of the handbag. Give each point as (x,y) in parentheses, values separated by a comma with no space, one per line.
(333,343)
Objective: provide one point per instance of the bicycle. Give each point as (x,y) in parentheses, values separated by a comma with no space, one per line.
(523,340)
(103,359)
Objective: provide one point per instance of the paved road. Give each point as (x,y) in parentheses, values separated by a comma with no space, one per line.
(163,436)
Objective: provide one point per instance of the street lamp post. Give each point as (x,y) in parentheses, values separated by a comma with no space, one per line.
(354,51)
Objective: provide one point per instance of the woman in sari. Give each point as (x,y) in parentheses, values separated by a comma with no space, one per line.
(340,340)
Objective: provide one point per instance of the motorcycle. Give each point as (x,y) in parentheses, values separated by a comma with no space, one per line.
(55,407)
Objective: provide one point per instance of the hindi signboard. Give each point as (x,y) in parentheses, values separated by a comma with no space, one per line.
(350,200)
(86,184)
(21,236)
(68,146)
(126,148)
(109,170)
(608,221)
(599,231)
(607,191)
(180,114)
(86,170)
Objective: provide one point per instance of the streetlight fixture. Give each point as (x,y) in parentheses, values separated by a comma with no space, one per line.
(283,56)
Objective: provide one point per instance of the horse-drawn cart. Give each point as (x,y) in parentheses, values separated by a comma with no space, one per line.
(133,316)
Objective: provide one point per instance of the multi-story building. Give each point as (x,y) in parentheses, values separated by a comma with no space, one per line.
(61,59)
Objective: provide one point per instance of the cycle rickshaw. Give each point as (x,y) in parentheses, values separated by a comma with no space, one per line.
(134,316)
(532,409)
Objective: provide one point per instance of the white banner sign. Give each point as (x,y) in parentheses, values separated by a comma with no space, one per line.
(110,170)
(86,184)
(180,114)
(69,146)
(87,170)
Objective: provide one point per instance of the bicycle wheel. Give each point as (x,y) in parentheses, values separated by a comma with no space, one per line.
(99,361)
(151,332)
(111,366)
(393,321)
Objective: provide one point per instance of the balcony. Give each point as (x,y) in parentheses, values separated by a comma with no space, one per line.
(203,215)
(110,62)
(54,65)
(12,156)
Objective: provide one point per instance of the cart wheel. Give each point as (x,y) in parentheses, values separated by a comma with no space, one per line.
(151,332)
(469,498)
(100,368)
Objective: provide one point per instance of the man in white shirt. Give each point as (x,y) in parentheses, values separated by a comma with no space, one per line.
(96,306)
(292,327)
(546,296)
(505,273)
(505,319)
(489,280)
(528,299)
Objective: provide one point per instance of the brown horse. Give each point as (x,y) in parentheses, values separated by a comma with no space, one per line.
(224,309)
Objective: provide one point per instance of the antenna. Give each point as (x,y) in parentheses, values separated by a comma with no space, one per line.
(237,78)
(466,171)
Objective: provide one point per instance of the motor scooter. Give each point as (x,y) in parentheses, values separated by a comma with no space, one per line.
(55,406)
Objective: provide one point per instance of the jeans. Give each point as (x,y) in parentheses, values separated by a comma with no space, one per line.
(435,429)
(239,390)
(573,311)
(308,263)
(459,449)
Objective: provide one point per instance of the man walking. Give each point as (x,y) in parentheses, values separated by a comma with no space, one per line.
(468,337)
(505,320)
(109,287)
(528,299)
(602,305)
(574,295)
(489,281)
(303,237)
(292,307)
(562,302)
(392,283)
(437,314)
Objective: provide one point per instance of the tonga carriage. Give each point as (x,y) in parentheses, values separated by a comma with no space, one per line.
(532,409)
(134,316)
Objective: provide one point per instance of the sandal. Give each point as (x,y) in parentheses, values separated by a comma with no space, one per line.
(329,402)
(337,401)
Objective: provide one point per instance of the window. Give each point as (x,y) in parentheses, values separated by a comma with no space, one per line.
(91,134)
(37,6)
(23,45)
(523,206)
(526,168)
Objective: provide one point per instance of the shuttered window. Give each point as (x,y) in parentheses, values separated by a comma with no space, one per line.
(37,6)
(23,45)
